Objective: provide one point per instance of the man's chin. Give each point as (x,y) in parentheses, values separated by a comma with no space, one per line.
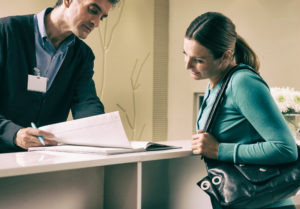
(82,35)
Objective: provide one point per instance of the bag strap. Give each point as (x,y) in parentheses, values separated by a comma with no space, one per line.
(221,94)
(217,101)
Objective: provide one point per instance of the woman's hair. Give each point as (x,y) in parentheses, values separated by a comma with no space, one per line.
(59,2)
(217,33)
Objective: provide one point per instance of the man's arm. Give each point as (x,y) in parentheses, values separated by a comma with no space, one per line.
(8,129)
(85,100)
(13,137)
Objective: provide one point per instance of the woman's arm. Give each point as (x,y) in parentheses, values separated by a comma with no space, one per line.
(254,101)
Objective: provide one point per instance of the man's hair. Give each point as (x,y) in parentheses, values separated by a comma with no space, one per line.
(113,2)
(58,3)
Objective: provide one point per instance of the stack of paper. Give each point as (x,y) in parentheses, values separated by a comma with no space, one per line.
(102,134)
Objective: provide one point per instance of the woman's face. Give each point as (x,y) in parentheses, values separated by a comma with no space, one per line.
(200,61)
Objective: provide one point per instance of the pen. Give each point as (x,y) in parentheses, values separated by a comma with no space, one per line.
(39,137)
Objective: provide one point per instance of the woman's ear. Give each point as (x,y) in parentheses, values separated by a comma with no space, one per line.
(226,58)
(228,55)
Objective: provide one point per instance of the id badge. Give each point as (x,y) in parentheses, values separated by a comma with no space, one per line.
(37,83)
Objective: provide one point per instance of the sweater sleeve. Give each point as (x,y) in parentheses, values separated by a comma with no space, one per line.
(253,100)
(8,129)
(85,100)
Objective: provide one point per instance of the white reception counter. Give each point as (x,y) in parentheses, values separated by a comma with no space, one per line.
(157,179)
(145,180)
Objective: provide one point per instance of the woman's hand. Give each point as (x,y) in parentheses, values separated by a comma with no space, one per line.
(205,144)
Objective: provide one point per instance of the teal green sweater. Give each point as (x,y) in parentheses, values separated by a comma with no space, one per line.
(248,124)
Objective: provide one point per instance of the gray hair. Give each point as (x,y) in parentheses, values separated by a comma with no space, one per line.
(59,2)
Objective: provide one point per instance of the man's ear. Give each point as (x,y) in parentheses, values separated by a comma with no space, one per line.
(67,3)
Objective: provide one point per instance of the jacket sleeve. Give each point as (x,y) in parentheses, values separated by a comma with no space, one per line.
(85,100)
(8,129)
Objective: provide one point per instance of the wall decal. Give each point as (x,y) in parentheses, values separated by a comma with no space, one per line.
(134,81)
(106,37)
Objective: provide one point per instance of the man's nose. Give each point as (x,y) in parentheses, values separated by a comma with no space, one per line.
(95,22)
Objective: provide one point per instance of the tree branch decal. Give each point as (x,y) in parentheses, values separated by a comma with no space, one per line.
(105,41)
(134,81)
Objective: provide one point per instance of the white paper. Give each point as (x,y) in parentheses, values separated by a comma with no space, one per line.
(136,146)
(86,149)
(104,130)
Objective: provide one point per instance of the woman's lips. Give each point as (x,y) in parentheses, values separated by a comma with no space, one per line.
(195,73)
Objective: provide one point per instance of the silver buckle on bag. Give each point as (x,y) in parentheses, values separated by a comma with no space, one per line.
(205,185)
(216,180)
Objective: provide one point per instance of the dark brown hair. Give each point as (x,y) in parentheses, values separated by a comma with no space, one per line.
(217,33)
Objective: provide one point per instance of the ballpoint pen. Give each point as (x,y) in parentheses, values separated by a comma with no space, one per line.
(39,137)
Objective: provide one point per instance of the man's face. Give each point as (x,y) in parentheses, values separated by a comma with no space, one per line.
(84,15)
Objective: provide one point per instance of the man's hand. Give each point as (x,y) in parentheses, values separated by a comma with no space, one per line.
(27,137)
(205,144)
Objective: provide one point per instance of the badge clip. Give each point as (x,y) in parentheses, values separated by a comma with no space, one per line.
(38,72)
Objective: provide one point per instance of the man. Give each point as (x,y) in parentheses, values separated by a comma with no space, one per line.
(46,70)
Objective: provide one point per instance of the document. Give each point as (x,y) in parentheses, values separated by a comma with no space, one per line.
(136,146)
(100,134)
(105,130)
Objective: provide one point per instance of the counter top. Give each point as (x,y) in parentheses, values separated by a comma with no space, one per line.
(22,163)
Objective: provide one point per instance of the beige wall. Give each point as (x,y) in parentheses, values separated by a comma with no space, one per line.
(18,7)
(271,27)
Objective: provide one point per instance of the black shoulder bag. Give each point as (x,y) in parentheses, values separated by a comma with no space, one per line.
(239,186)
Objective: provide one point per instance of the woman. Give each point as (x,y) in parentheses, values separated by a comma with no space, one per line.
(249,127)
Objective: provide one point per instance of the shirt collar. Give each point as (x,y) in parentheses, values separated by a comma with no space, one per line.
(41,23)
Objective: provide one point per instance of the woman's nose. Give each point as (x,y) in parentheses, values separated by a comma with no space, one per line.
(188,63)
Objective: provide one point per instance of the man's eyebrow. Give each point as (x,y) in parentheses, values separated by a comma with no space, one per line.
(96,5)
(99,8)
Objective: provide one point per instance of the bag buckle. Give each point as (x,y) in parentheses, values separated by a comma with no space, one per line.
(205,185)
(216,180)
